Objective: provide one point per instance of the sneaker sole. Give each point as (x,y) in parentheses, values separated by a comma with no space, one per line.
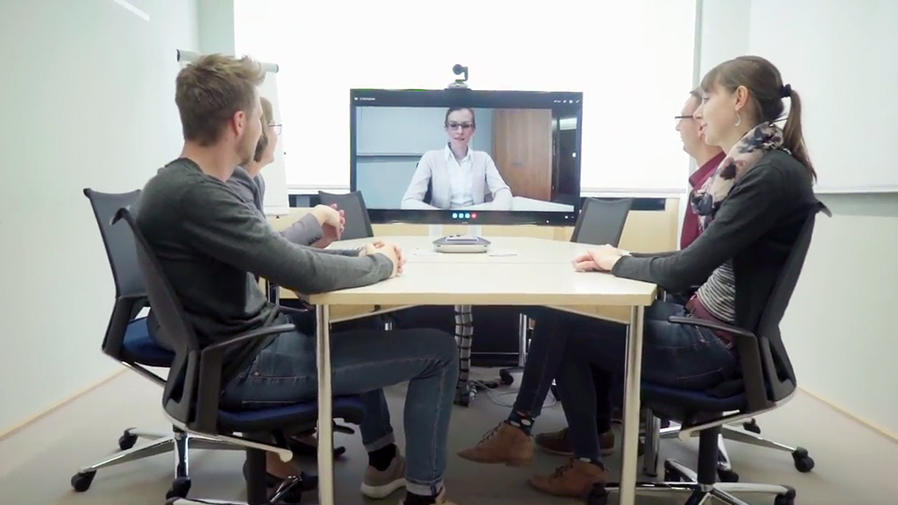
(507,462)
(603,452)
(382,491)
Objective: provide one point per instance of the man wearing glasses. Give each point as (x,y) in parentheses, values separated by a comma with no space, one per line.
(706,157)
(456,176)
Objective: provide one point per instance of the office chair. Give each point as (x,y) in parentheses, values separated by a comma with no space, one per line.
(600,222)
(128,341)
(767,382)
(358,224)
(193,390)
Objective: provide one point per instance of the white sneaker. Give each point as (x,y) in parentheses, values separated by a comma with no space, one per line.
(441,499)
(379,484)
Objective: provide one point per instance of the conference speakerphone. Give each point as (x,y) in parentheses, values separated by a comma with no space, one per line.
(461,244)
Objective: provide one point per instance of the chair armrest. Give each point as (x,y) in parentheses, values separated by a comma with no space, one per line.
(250,335)
(290,310)
(209,386)
(749,352)
(714,325)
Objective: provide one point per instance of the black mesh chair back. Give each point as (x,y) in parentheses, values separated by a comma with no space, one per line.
(780,377)
(130,293)
(358,224)
(180,389)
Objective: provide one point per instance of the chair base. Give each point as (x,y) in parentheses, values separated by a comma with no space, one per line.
(747,433)
(682,480)
(178,442)
(289,492)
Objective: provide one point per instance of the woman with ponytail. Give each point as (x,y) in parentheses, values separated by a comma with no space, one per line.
(751,211)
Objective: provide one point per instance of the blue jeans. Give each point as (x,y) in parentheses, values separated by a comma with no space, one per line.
(676,355)
(545,357)
(363,362)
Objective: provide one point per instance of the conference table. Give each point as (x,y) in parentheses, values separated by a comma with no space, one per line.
(515,271)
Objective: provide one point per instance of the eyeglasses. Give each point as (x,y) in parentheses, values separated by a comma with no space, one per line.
(463,126)
(680,118)
(276,127)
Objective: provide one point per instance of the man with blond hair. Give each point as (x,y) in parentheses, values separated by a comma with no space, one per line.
(211,244)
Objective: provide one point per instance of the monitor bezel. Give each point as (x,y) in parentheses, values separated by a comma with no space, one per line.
(562,102)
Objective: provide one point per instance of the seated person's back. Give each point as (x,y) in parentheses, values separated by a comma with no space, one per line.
(201,231)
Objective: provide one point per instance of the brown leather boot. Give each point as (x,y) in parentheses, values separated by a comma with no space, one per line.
(576,479)
(559,442)
(504,444)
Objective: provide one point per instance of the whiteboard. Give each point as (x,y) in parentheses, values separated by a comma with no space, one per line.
(842,58)
(275,174)
(276,199)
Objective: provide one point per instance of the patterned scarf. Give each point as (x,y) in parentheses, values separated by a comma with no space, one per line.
(742,157)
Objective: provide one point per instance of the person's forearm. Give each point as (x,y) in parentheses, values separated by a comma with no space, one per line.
(647,255)
(343,252)
(236,235)
(502,200)
(305,231)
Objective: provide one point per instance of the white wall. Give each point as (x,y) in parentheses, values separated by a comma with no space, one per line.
(88,101)
(844,64)
(632,60)
(216,26)
(840,329)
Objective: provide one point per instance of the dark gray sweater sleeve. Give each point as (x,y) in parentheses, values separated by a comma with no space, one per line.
(244,186)
(649,255)
(219,223)
(749,211)
(305,231)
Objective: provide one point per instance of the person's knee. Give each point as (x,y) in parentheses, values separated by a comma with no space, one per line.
(439,344)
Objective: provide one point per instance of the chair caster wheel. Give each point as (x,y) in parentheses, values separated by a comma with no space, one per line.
(752,426)
(505,377)
(597,496)
(670,474)
(127,440)
(803,462)
(727,475)
(81,480)
(787,498)
(179,488)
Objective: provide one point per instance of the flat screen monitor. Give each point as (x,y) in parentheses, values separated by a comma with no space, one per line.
(466,156)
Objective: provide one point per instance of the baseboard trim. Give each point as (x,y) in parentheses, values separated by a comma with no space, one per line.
(869,424)
(6,432)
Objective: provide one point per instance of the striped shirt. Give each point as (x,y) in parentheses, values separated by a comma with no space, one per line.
(718,293)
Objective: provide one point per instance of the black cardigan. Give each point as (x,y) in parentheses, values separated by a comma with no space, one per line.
(756,226)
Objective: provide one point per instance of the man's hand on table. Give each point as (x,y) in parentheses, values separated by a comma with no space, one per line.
(391,251)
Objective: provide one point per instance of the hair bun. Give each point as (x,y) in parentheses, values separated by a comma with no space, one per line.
(786,91)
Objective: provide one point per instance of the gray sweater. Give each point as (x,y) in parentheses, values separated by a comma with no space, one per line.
(210,243)
(305,231)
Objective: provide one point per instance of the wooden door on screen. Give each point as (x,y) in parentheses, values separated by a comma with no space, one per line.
(522,150)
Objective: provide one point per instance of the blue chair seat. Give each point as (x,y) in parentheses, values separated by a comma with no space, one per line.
(139,347)
(683,403)
(296,415)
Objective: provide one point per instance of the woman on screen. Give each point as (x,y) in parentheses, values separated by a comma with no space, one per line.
(751,211)
(457,176)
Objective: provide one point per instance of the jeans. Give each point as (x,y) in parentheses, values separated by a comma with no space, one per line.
(363,362)
(675,355)
(546,355)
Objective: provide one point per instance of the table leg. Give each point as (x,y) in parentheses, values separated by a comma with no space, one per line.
(325,408)
(632,376)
